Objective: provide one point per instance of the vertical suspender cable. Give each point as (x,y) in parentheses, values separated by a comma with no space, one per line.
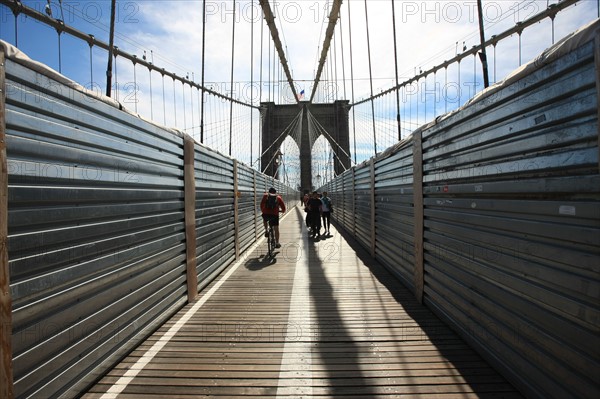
(273,75)
(164,102)
(331,61)
(335,77)
(191,104)
(260,82)
(371,80)
(269,70)
(231,80)
(174,102)
(183,103)
(251,79)
(396,63)
(352,82)
(150,81)
(59,31)
(202,77)
(91,43)
(116,75)
(16,10)
(459,85)
(111,42)
(482,54)
(134,84)
(342,47)
(446,90)
(495,61)
(434,94)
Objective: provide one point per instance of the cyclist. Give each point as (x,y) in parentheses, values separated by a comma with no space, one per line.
(270,206)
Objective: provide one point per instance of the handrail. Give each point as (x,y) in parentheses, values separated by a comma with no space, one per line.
(550,12)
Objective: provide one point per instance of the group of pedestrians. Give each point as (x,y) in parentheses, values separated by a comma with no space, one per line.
(318,207)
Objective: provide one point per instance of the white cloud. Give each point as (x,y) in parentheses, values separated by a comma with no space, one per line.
(428,32)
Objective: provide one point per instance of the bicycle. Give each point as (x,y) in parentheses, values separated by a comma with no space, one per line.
(271,239)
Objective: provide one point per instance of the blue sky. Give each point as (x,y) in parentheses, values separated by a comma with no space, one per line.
(170,34)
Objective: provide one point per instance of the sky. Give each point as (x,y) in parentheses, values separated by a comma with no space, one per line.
(169,34)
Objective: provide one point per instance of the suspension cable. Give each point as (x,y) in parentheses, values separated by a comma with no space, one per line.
(343,64)
(371,79)
(397,79)
(324,131)
(202,82)
(293,123)
(231,80)
(352,82)
(289,127)
(333,16)
(251,80)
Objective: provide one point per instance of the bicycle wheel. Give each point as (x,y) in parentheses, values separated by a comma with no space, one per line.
(271,241)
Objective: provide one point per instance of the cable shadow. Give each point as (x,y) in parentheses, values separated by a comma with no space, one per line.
(473,373)
(335,346)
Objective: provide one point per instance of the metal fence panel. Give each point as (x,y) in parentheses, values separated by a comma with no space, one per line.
(362,201)
(248,213)
(95,235)
(394,212)
(348,215)
(511,200)
(515,266)
(215,241)
(96,219)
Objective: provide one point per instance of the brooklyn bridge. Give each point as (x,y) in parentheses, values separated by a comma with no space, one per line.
(463,255)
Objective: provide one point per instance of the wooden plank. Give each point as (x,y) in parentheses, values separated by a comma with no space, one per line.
(349,329)
(6,380)
(190,217)
(419,214)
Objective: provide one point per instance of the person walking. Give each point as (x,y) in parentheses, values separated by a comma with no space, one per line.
(314,206)
(326,209)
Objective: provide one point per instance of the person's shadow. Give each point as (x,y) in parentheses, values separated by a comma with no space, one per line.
(263,260)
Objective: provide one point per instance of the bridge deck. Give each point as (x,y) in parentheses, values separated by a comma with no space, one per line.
(321,320)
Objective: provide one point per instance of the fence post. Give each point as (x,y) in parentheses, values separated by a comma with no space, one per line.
(418,213)
(236,216)
(190,217)
(597,63)
(353,203)
(373,218)
(6,373)
(340,200)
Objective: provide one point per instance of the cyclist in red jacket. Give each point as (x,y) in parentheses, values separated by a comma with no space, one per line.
(270,206)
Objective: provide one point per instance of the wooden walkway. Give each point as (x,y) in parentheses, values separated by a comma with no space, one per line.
(319,321)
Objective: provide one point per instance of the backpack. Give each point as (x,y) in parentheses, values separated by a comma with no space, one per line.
(271,202)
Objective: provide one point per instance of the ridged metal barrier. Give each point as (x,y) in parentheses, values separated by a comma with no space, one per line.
(491,215)
(114,223)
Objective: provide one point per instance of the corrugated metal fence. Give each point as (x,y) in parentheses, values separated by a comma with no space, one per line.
(492,217)
(97,240)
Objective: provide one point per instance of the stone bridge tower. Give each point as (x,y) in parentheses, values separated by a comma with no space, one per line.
(333,118)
